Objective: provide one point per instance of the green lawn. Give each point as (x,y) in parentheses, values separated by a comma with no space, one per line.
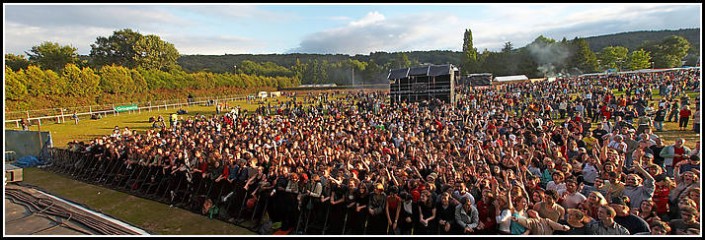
(88,129)
(153,217)
(669,136)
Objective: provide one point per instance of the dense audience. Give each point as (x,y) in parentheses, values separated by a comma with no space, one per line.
(513,159)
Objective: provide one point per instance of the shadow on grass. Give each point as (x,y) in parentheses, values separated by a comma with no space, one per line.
(152,216)
(145,121)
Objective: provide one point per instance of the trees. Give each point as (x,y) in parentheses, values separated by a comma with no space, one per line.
(269,69)
(74,85)
(80,82)
(670,52)
(584,59)
(50,55)
(36,82)
(153,53)
(14,85)
(638,59)
(16,62)
(116,49)
(469,64)
(400,60)
(116,79)
(612,57)
(131,49)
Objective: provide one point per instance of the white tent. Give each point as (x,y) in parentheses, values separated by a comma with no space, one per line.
(508,79)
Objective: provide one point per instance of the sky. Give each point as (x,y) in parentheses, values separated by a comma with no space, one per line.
(217,29)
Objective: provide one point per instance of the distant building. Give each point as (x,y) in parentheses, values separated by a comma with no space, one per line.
(420,83)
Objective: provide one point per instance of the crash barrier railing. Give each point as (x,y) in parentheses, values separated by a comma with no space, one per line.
(229,202)
(59,115)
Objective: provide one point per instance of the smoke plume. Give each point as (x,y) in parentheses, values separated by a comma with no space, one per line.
(549,57)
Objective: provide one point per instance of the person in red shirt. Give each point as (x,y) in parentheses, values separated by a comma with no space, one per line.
(486,213)
(660,198)
(684,116)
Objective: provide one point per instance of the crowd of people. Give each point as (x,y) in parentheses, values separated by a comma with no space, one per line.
(517,159)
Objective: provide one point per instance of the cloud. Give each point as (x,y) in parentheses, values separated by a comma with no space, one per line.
(249,28)
(79,25)
(375,32)
(215,45)
(104,16)
(492,27)
(371,18)
(21,38)
(572,21)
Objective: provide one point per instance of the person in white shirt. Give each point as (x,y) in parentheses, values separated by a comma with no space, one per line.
(618,144)
(571,197)
(557,184)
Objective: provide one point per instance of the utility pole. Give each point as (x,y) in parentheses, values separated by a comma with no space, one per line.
(353,76)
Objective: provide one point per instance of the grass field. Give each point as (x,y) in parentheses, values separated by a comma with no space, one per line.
(153,217)
(88,129)
(671,128)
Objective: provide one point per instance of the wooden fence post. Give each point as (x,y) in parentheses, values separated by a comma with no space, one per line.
(63,120)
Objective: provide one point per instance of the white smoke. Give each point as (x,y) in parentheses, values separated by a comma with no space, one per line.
(548,57)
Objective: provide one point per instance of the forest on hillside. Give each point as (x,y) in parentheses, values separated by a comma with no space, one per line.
(634,40)
(386,60)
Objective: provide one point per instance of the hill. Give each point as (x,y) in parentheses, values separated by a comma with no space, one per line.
(225,63)
(632,40)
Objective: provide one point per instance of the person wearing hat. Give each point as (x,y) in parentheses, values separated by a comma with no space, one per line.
(647,160)
(376,221)
(466,216)
(623,217)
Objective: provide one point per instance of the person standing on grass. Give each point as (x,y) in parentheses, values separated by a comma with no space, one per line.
(674,111)
(659,117)
(684,117)
(696,120)
(75,117)
(25,124)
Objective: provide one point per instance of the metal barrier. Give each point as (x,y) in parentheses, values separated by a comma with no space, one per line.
(104,110)
(151,182)
(158,183)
